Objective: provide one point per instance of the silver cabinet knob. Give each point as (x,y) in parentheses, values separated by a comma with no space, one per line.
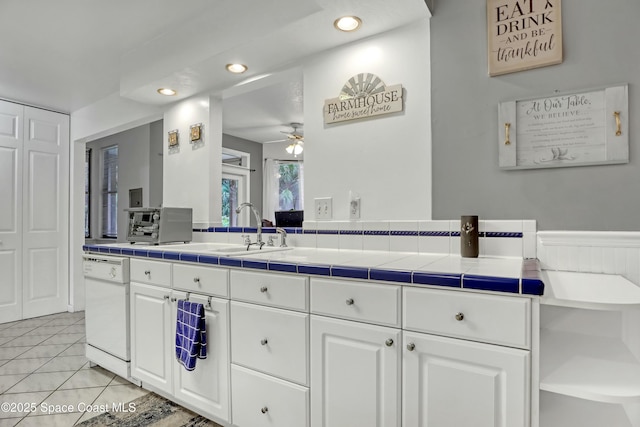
(388,342)
(459,316)
(166,297)
(174,299)
(264,289)
(411,346)
(350,301)
(264,410)
(264,341)
(196,280)
(147,273)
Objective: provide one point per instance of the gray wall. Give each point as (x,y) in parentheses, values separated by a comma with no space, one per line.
(600,49)
(255,150)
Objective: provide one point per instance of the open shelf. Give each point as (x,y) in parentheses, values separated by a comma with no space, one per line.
(564,411)
(588,367)
(589,290)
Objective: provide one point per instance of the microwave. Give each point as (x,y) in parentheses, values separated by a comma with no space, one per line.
(159,225)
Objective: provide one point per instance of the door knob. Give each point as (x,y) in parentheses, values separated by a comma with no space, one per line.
(459,316)
(264,289)
(264,410)
(411,346)
(350,301)
(264,341)
(389,342)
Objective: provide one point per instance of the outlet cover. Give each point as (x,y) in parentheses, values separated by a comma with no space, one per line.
(323,208)
(354,208)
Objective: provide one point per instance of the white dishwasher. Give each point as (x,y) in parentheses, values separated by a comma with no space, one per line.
(106,280)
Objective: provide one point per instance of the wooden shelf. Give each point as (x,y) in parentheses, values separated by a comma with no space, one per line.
(589,290)
(588,367)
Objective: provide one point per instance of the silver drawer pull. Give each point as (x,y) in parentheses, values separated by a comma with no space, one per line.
(174,299)
(459,316)
(350,301)
(196,280)
(264,410)
(264,341)
(263,289)
(411,346)
(388,342)
(166,297)
(147,273)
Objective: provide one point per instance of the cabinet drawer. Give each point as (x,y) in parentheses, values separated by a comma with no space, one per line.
(204,280)
(366,302)
(277,290)
(270,340)
(263,401)
(488,318)
(151,272)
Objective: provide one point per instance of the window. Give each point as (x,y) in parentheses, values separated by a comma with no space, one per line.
(290,186)
(110,192)
(87,193)
(283,186)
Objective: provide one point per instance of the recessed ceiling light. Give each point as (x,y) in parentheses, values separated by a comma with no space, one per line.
(347,23)
(166,91)
(236,68)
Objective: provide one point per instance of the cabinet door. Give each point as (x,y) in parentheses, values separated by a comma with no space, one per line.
(151,344)
(207,386)
(452,382)
(355,374)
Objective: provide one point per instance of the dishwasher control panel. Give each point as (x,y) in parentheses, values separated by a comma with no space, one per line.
(104,267)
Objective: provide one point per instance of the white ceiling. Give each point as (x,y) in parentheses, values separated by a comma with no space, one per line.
(66,54)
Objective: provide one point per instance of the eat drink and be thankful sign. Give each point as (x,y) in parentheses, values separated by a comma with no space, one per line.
(523,34)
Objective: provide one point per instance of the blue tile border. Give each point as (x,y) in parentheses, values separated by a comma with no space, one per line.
(390,275)
(350,272)
(437,279)
(488,283)
(529,284)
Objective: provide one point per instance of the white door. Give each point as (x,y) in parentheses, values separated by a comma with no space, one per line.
(10,211)
(151,344)
(45,207)
(453,382)
(207,386)
(355,374)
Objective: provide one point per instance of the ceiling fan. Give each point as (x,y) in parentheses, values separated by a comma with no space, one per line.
(296,138)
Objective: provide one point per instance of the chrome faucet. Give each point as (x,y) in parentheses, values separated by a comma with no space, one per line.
(283,239)
(259,241)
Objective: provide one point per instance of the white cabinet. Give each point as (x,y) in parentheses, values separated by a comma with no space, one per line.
(269,350)
(455,374)
(151,340)
(453,382)
(355,374)
(206,388)
(153,360)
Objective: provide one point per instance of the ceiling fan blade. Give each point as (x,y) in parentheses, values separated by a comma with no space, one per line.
(277,140)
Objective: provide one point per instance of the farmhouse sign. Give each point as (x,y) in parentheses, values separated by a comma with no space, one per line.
(363,95)
(523,34)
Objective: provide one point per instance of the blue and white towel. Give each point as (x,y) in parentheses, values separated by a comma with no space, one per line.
(191,334)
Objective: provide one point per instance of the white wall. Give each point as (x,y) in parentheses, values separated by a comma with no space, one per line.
(386,160)
(192,172)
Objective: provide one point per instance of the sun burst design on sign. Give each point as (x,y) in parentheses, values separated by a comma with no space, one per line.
(360,85)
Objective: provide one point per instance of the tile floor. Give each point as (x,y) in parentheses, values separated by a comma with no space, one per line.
(42,364)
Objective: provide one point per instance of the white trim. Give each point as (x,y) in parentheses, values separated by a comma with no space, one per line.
(608,239)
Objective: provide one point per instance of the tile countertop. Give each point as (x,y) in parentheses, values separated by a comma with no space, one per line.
(508,275)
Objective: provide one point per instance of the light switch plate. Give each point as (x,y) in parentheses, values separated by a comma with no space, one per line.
(323,207)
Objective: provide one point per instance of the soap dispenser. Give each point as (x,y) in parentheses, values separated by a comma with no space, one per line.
(469,246)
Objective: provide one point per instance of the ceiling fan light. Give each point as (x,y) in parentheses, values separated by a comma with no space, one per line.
(290,148)
(297,149)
